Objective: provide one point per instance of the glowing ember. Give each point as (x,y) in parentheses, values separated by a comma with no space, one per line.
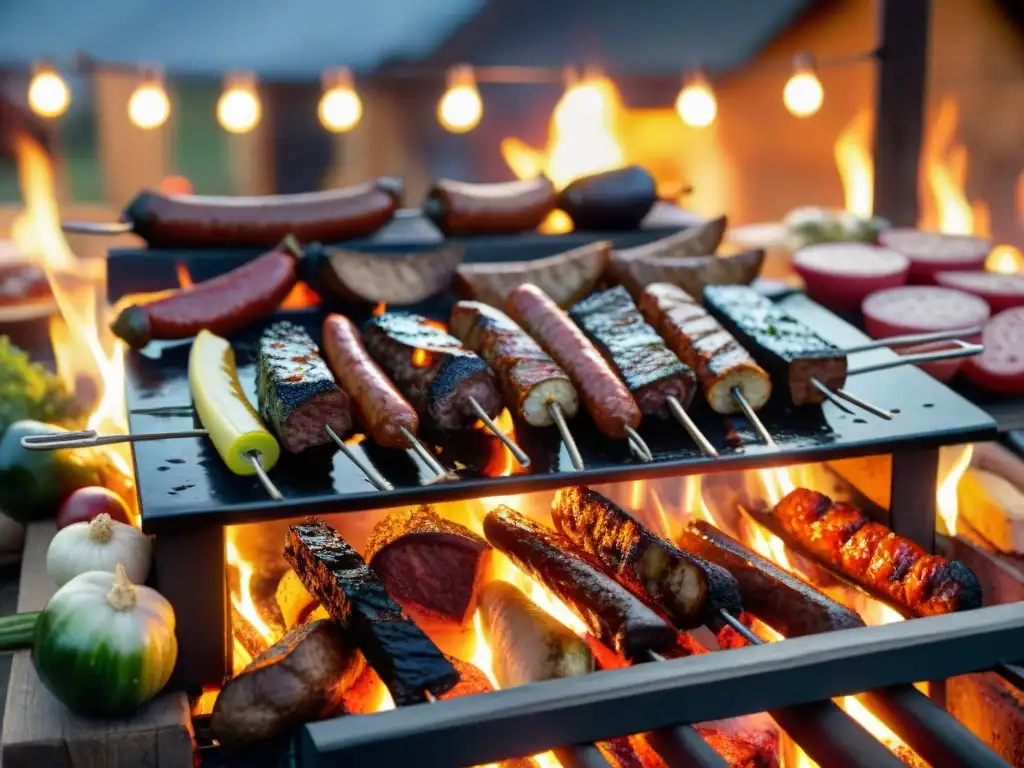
(380,309)
(420,358)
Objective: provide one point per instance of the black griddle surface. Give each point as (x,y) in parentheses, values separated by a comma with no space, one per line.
(183,483)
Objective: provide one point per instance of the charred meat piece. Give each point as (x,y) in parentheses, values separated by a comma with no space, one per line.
(431,566)
(612,613)
(651,371)
(789,350)
(529,379)
(432,369)
(877,558)
(688,589)
(301,677)
(334,573)
(719,361)
(297,394)
(782,601)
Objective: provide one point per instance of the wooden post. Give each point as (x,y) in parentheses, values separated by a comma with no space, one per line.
(900,86)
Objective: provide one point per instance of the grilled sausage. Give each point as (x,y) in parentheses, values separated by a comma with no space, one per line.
(529,379)
(296,392)
(196,221)
(460,209)
(651,370)
(381,407)
(221,305)
(720,363)
(876,557)
(612,613)
(784,602)
(301,677)
(793,353)
(606,397)
(432,369)
(688,589)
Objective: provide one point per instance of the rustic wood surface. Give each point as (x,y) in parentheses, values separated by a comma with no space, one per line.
(39,731)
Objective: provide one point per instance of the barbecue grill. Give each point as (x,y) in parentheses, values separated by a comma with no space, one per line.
(190,500)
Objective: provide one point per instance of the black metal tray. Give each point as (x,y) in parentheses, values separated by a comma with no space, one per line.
(184,483)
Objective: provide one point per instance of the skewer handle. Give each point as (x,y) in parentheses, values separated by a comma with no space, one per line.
(830,396)
(754,419)
(861,403)
(570,442)
(915,338)
(88,438)
(688,424)
(97,228)
(365,467)
(261,473)
(965,349)
(440,473)
(520,455)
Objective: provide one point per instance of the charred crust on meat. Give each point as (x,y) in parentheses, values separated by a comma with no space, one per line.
(970,588)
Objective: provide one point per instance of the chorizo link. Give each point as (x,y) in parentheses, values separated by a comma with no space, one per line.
(461,209)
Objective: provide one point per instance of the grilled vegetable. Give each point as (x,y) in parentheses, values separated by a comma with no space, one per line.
(406,660)
(86,503)
(530,380)
(234,428)
(701,240)
(104,646)
(612,613)
(687,588)
(565,277)
(789,350)
(527,643)
(29,391)
(612,200)
(101,544)
(691,273)
(394,278)
(431,566)
(650,370)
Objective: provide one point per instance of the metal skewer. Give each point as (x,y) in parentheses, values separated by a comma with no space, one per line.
(754,419)
(835,396)
(521,457)
(637,445)
(830,396)
(740,627)
(96,227)
(965,349)
(366,467)
(428,458)
(570,442)
(684,418)
(88,437)
(915,338)
(261,473)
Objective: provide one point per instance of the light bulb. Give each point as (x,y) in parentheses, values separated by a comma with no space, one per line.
(238,108)
(803,93)
(148,106)
(340,107)
(696,103)
(48,94)
(460,109)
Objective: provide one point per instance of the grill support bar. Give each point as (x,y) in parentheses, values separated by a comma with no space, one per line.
(914,482)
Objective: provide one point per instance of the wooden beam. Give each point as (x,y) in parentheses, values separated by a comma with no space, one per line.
(900,85)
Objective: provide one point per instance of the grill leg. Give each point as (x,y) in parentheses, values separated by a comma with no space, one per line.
(190,574)
(912,507)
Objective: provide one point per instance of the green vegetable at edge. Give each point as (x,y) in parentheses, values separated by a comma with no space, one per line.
(29,391)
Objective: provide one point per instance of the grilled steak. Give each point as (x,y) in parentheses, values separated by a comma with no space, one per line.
(789,350)
(431,566)
(334,573)
(651,370)
(432,369)
(296,392)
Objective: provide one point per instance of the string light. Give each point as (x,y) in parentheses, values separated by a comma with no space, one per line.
(803,94)
(48,94)
(148,106)
(340,107)
(696,102)
(238,108)
(460,109)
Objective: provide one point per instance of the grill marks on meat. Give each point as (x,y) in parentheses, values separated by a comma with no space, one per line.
(296,392)
(719,361)
(432,369)
(786,347)
(688,589)
(876,557)
(304,676)
(431,566)
(334,573)
(529,379)
(612,613)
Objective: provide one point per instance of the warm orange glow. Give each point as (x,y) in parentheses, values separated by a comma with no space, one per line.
(301,295)
(944,165)
(1006,260)
(380,309)
(503,463)
(946,498)
(184,276)
(856,169)
(242,601)
(420,358)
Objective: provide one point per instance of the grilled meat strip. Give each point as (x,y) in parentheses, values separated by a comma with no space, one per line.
(873,555)
(782,601)
(431,566)
(612,613)
(334,573)
(651,371)
(432,369)
(529,379)
(296,392)
(789,350)
(688,589)
(719,361)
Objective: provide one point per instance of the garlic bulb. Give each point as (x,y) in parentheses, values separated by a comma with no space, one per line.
(98,545)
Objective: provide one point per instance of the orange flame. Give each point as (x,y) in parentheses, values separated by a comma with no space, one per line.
(380,309)
(853,159)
